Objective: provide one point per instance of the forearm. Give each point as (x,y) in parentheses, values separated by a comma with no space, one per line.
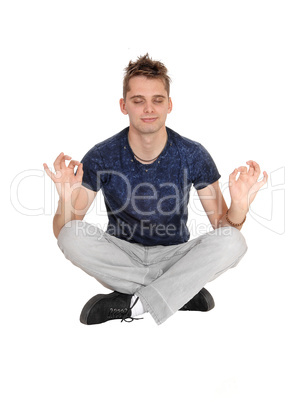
(236,216)
(243,190)
(63,215)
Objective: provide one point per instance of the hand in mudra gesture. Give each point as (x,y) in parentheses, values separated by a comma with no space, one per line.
(65,179)
(244,189)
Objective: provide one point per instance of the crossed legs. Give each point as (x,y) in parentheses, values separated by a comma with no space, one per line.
(163,277)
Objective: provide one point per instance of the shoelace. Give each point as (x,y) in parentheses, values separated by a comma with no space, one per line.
(123,313)
(130,319)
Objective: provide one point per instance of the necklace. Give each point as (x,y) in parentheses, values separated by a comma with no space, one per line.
(150,160)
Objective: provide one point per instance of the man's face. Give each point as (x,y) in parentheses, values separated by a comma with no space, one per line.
(147,104)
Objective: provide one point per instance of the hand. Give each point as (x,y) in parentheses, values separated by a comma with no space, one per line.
(65,179)
(244,189)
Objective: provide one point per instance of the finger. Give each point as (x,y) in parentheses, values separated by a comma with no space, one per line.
(243,169)
(63,159)
(256,169)
(251,168)
(73,163)
(233,175)
(79,173)
(264,180)
(56,163)
(265,177)
(48,171)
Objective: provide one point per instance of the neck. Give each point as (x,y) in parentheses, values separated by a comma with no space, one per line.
(147,146)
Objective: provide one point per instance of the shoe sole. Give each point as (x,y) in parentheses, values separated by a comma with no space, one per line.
(90,304)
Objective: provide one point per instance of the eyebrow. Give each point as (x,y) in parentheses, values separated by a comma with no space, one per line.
(141,96)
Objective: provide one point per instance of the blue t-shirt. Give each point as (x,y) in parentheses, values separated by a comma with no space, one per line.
(147,203)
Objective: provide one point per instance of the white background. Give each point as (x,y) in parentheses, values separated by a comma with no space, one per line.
(232,66)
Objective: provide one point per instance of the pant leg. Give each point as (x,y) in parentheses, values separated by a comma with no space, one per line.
(115,263)
(203,260)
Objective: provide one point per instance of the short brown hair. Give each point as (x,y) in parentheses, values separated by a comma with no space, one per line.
(148,68)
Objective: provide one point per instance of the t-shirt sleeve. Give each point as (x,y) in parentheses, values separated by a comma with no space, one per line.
(93,171)
(204,170)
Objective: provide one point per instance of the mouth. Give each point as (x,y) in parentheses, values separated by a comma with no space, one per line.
(149,119)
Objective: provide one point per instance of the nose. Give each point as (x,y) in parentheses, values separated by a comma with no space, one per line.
(148,107)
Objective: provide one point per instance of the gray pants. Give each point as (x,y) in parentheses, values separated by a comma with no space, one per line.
(164,277)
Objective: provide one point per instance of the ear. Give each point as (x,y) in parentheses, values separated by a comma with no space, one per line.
(170,106)
(123,106)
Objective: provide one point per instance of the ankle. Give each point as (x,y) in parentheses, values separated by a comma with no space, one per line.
(136,306)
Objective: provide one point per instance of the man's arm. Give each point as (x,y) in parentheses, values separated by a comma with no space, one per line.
(213,203)
(74,199)
(72,210)
(243,190)
(215,206)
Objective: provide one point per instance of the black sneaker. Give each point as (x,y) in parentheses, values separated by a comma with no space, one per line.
(203,301)
(102,308)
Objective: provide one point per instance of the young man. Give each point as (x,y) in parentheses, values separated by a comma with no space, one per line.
(146,172)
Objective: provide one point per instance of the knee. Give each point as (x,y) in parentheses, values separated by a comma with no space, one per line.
(234,241)
(68,238)
(76,237)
